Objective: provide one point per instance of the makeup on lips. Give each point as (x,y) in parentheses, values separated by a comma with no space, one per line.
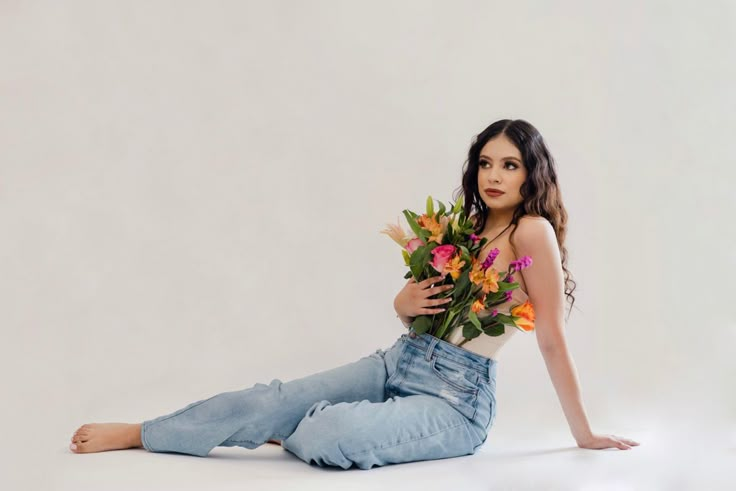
(493,192)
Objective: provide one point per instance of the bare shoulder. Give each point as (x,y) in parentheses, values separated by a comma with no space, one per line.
(534,229)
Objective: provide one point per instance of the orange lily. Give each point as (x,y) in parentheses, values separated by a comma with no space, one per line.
(526,315)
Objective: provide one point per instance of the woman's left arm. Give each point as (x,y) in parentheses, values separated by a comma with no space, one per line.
(544,280)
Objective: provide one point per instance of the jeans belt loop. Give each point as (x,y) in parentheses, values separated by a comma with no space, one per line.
(432,343)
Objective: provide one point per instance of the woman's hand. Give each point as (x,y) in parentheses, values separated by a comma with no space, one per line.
(597,442)
(413,299)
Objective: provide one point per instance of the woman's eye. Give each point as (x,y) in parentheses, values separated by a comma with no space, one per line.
(483,162)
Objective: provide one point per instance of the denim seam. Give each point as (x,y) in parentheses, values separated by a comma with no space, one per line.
(144,440)
(181,411)
(407,441)
(396,375)
(277,436)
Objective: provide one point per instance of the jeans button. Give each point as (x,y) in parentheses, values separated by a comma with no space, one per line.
(412,335)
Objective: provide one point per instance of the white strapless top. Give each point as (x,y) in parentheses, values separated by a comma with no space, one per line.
(486,345)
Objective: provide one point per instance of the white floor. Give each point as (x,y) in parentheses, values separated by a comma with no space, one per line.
(699,455)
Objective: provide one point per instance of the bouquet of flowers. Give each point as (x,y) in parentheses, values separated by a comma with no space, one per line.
(444,242)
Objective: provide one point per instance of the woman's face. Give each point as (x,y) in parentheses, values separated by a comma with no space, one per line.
(500,167)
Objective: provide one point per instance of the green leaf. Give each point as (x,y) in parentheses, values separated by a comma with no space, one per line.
(430,206)
(447,321)
(494,329)
(422,324)
(474,319)
(458,205)
(470,331)
(461,285)
(418,231)
(493,299)
(442,208)
(505,319)
(503,286)
(420,259)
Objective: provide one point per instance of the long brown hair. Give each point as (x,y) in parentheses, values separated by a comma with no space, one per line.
(540,191)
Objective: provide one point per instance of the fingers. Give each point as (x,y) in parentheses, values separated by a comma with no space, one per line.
(438,301)
(609,441)
(432,280)
(432,302)
(426,311)
(437,289)
(627,441)
(430,292)
(622,443)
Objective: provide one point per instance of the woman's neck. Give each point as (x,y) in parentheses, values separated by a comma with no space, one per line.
(498,219)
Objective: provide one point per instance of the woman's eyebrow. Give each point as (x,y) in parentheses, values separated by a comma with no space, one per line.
(505,158)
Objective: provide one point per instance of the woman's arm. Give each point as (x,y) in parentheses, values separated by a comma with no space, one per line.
(544,280)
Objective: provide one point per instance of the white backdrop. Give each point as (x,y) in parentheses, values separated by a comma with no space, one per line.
(191,195)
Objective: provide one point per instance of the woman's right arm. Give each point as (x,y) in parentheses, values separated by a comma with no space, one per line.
(413,299)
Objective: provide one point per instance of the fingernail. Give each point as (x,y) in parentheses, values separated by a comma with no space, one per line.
(73,446)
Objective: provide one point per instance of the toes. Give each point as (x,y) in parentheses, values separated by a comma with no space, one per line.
(79,439)
(81,436)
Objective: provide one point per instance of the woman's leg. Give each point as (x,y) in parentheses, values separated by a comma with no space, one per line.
(250,417)
(367,434)
(441,404)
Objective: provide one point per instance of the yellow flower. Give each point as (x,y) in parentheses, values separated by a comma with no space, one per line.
(527,316)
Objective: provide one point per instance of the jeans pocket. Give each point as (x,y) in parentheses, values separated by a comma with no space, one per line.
(456,375)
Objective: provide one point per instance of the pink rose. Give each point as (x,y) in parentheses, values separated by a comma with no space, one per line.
(442,254)
(414,244)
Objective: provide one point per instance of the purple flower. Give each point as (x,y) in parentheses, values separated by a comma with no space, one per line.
(494,313)
(489,260)
(509,279)
(474,238)
(509,294)
(522,263)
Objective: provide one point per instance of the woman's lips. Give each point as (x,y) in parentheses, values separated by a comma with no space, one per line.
(495,194)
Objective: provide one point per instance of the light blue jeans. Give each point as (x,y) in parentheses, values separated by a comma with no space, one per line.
(422,399)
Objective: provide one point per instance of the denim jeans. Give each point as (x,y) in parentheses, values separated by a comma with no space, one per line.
(421,399)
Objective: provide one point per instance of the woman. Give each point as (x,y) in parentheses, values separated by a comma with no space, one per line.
(423,398)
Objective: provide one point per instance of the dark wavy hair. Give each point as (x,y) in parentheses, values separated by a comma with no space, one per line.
(540,190)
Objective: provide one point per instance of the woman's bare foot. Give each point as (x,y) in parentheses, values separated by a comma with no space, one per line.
(100,437)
